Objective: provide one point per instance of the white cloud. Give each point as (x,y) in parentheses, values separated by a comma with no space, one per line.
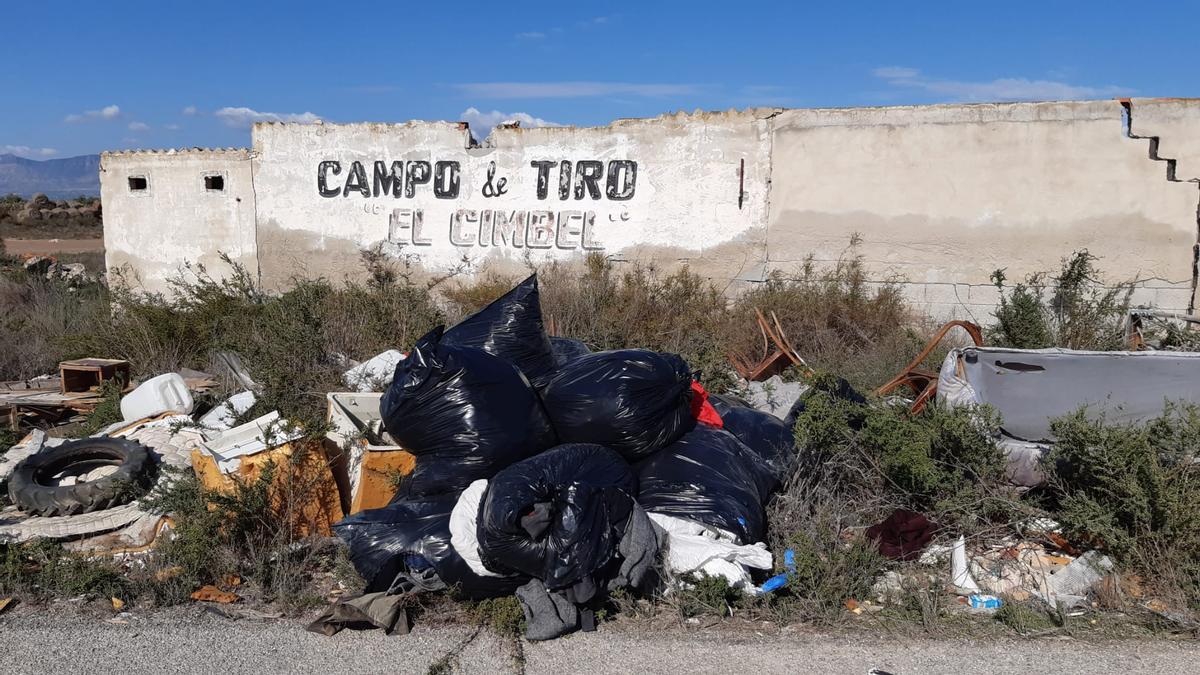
(896,73)
(245,117)
(171,127)
(190,110)
(26,151)
(1003,89)
(139,126)
(482,123)
(530,35)
(572,89)
(108,112)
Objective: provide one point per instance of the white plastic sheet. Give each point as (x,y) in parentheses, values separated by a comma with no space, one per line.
(694,547)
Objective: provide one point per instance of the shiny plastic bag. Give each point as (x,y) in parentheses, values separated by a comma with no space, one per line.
(464,413)
(558,516)
(404,537)
(567,350)
(711,477)
(634,401)
(769,437)
(511,328)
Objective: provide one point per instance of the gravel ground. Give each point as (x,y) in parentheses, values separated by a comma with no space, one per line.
(189,640)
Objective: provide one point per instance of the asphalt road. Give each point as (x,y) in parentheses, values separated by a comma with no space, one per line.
(35,640)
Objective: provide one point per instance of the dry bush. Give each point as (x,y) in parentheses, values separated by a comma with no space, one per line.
(839,321)
(38,318)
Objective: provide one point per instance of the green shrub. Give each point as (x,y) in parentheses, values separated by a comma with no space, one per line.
(944,462)
(1133,490)
(702,595)
(1081,312)
(1023,618)
(42,568)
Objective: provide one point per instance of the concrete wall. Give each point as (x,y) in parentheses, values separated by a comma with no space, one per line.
(939,196)
(662,189)
(151,234)
(944,195)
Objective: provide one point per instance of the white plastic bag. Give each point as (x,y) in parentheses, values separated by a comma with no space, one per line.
(462,527)
(695,547)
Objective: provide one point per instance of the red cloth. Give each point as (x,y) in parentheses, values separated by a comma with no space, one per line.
(903,535)
(702,410)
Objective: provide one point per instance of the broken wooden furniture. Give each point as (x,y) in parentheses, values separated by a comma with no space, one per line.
(778,353)
(89,375)
(922,382)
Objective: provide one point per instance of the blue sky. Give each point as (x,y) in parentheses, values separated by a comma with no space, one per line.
(81,77)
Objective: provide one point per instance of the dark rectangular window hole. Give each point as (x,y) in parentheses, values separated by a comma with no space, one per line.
(214,183)
(138,183)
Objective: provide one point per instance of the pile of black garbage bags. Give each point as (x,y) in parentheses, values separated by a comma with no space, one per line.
(539,461)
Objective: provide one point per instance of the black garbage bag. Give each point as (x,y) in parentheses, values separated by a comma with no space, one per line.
(567,350)
(769,437)
(634,401)
(394,547)
(464,413)
(558,516)
(511,328)
(711,477)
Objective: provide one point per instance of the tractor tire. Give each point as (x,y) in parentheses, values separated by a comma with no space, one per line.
(33,489)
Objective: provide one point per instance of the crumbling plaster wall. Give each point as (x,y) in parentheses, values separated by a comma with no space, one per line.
(939,196)
(664,190)
(151,234)
(943,195)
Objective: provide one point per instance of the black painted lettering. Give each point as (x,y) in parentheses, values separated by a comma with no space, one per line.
(446,179)
(622,179)
(462,230)
(416,173)
(356,181)
(540,233)
(383,181)
(570,230)
(589,232)
(564,179)
(587,174)
(418,223)
(323,179)
(543,176)
(508,228)
(485,226)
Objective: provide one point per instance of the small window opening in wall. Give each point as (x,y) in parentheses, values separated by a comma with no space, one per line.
(138,183)
(214,183)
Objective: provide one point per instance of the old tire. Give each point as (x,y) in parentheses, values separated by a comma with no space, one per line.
(32,488)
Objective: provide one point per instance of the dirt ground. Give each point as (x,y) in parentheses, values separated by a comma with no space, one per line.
(52,246)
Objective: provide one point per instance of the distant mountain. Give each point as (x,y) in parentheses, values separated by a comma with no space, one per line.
(56,178)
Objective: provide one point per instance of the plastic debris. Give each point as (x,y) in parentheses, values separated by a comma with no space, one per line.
(374,374)
(960,577)
(695,547)
(165,393)
(985,601)
(222,417)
